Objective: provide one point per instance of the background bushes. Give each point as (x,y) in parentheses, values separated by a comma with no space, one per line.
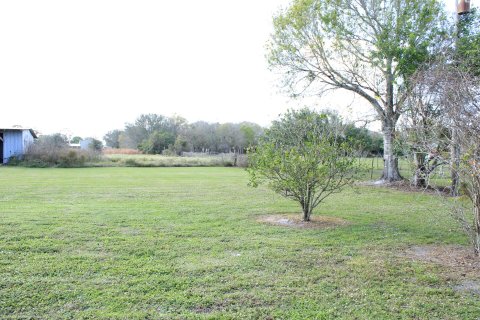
(54,151)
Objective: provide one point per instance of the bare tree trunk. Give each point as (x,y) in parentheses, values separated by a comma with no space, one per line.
(420,175)
(475,197)
(390,162)
(307,207)
(455,160)
(476,215)
(306,214)
(306,211)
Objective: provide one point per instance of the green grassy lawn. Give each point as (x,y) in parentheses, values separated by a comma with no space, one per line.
(184,243)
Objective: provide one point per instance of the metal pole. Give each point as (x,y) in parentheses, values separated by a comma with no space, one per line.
(371,172)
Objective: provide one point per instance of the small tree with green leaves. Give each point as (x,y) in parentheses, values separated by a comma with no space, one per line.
(76,140)
(305,157)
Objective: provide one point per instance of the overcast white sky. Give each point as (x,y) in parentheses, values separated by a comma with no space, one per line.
(87,67)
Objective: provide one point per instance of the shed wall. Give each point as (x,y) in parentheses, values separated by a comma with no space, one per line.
(27,140)
(85,144)
(12,144)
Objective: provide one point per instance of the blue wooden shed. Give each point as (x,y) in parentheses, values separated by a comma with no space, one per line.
(14,142)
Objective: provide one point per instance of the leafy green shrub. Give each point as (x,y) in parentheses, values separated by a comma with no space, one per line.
(35,163)
(304,157)
(13,161)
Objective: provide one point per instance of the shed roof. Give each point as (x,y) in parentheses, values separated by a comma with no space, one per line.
(32,132)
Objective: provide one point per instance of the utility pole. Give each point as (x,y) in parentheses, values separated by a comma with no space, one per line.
(463,8)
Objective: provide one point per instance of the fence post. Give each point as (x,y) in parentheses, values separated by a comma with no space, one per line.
(371,172)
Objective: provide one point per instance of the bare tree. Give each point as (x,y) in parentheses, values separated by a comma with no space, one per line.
(424,134)
(455,94)
(462,99)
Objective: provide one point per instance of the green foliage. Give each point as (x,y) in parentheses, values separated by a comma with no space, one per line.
(202,136)
(468,43)
(369,48)
(61,158)
(96,145)
(364,141)
(181,145)
(14,161)
(248,134)
(154,134)
(76,140)
(112,138)
(153,127)
(71,159)
(367,35)
(304,157)
(157,142)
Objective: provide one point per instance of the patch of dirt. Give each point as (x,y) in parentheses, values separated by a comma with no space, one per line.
(129,231)
(459,257)
(460,263)
(295,221)
(468,286)
(246,301)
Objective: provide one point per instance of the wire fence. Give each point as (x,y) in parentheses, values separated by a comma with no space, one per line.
(374,165)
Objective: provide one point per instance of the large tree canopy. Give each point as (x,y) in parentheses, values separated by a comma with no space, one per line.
(367,47)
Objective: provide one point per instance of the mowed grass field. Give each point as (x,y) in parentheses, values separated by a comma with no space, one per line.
(185,243)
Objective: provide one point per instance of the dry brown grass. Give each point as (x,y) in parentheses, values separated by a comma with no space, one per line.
(460,258)
(459,265)
(121,151)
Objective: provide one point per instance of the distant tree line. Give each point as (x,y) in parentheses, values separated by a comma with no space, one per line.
(158,134)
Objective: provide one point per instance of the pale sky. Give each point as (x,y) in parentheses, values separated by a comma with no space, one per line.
(87,67)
